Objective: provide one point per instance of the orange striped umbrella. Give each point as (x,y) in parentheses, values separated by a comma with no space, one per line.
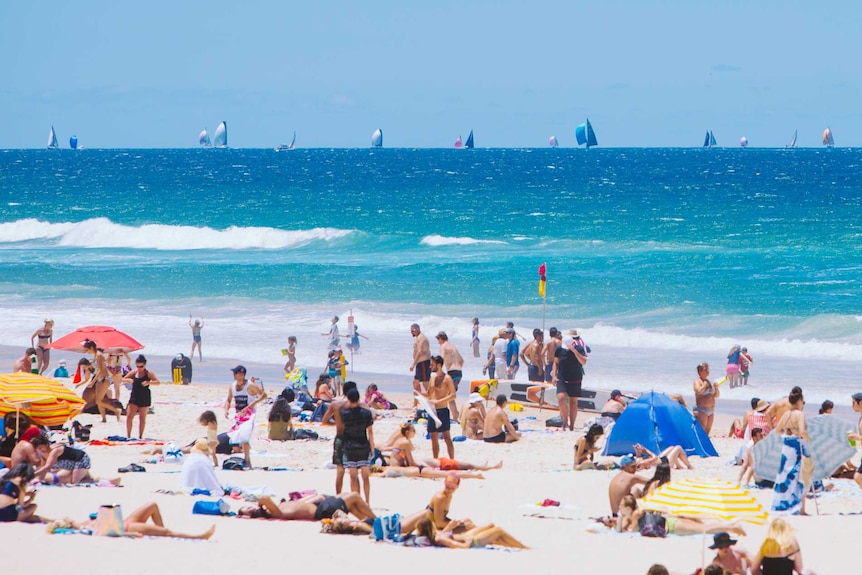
(45,401)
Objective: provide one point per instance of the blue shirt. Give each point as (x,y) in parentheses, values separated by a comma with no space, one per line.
(513,348)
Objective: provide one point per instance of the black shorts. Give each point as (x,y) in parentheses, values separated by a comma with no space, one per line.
(456,376)
(570,388)
(224,447)
(501,438)
(423,371)
(327,507)
(533,373)
(338,451)
(445,421)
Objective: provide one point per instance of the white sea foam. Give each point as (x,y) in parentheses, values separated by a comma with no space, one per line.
(438,240)
(102,233)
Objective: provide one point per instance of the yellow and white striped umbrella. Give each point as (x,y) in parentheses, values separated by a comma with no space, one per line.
(44,400)
(706,498)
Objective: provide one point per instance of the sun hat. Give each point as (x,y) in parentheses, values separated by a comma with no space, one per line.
(572,332)
(475,398)
(721,540)
(761,405)
(62,362)
(201,446)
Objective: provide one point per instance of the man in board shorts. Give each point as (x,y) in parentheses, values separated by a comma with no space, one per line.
(569,361)
(421,366)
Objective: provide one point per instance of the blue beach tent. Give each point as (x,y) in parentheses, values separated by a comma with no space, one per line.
(657,422)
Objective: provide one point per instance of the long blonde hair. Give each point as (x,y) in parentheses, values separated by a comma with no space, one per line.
(779,539)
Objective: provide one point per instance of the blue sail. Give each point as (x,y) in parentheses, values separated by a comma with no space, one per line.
(711,139)
(585,134)
(706,140)
(73,142)
(469,143)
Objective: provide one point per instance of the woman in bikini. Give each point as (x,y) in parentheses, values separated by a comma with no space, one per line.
(45,335)
(438,509)
(659,478)
(16,501)
(401,456)
(789,498)
(115,368)
(452,537)
(630,515)
(585,448)
(705,394)
(145,521)
(780,553)
(673,455)
(100,381)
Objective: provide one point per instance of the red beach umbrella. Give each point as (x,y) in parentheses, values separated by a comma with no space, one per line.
(106,337)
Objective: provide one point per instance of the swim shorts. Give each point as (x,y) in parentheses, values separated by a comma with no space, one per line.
(548,369)
(338,451)
(445,421)
(533,373)
(501,438)
(456,376)
(327,507)
(423,371)
(570,388)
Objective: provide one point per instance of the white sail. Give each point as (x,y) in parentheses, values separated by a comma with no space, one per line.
(52,139)
(377,138)
(552,141)
(220,137)
(292,145)
(204,139)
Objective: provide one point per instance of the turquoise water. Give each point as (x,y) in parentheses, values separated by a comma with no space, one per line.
(657,250)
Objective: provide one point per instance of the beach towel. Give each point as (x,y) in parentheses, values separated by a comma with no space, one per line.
(242,430)
(198,473)
(788,483)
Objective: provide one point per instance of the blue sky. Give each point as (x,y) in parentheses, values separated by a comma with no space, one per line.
(647,73)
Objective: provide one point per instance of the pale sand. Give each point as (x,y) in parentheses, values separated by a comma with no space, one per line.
(536,468)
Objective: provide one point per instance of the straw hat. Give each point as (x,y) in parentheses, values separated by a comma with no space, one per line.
(201,446)
(761,405)
(572,332)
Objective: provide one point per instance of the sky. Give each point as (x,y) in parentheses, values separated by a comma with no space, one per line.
(647,73)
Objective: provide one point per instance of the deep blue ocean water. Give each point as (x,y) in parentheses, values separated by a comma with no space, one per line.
(668,252)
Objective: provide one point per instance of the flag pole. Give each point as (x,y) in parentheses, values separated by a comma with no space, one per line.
(542,283)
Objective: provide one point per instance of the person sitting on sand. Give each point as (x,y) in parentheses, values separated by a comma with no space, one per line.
(198,472)
(476,537)
(25,451)
(145,521)
(16,499)
(673,455)
(323,391)
(473,417)
(624,483)
(498,428)
(209,420)
(375,399)
(438,509)
(780,552)
(401,449)
(585,448)
(615,406)
(71,465)
(16,424)
(731,559)
(310,508)
(281,421)
(659,478)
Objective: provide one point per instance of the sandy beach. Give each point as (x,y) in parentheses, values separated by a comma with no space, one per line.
(536,468)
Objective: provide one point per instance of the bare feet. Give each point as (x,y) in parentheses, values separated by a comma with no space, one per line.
(208,533)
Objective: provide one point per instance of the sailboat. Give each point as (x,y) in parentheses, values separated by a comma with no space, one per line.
(792,143)
(220,137)
(377,138)
(585,134)
(458,143)
(827,138)
(743,141)
(53,144)
(204,139)
(469,143)
(552,141)
(288,147)
(709,139)
(73,142)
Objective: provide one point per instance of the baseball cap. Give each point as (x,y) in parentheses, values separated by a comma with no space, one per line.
(615,393)
(627,460)
(239,369)
(857,396)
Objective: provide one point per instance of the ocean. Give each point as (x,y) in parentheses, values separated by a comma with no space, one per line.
(663,258)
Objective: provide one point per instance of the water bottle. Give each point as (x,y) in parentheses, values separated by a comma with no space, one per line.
(34,364)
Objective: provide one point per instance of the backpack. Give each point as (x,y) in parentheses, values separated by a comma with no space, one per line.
(651,524)
(234,464)
(305,434)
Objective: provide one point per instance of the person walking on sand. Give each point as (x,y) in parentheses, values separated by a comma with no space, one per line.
(474,336)
(197,326)
(421,366)
(453,363)
(795,465)
(498,428)
(45,335)
(533,356)
(332,334)
(100,381)
(333,412)
(245,397)
(705,394)
(141,399)
(569,364)
(441,392)
(358,442)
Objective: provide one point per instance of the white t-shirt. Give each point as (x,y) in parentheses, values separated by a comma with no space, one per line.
(500,350)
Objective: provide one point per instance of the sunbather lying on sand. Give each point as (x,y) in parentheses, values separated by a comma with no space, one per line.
(310,508)
(138,523)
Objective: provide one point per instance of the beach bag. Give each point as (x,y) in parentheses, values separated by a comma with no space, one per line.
(319,412)
(652,524)
(109,521)
(305,434)
(233,464)
(554,422)
(219,507)
(387,528)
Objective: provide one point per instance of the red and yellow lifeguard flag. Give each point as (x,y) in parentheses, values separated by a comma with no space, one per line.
(542,280)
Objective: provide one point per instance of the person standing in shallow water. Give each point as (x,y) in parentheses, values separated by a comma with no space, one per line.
(197,326)
(45,334)
(474,336)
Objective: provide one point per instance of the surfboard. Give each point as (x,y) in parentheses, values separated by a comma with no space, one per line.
(426,406)
(535,394)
